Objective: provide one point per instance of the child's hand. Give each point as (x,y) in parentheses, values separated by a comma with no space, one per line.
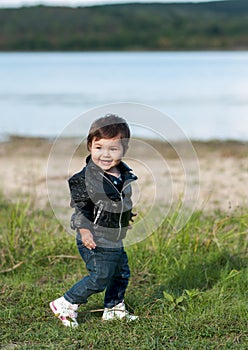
(87,238)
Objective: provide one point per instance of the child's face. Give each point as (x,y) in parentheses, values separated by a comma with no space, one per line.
(107,153)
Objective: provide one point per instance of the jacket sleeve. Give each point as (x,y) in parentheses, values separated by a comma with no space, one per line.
(80,200)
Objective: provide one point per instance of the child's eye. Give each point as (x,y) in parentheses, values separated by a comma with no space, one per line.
(98,147)
(113,149)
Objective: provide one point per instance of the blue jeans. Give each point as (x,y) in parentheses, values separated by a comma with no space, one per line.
(108,269)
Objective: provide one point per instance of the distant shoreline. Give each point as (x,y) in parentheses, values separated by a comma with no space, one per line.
(5,138)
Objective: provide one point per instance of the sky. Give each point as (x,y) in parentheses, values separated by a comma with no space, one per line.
(75,3)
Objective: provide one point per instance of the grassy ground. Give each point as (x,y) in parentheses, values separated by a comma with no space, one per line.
(189,289)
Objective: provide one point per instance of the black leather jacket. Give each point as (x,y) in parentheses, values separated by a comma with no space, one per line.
(99,205)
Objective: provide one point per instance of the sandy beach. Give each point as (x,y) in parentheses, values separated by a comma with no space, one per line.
(217,178)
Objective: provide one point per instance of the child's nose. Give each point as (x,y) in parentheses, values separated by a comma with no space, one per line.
(106,153)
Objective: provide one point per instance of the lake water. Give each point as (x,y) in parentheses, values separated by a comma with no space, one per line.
(205,93)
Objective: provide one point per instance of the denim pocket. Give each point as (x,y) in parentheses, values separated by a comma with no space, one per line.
(86,254)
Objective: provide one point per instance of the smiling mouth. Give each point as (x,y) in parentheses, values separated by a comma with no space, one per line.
(106,161)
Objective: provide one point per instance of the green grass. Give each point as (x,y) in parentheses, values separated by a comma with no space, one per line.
(189,288)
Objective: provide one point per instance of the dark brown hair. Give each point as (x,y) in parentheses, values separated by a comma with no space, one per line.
(108,127)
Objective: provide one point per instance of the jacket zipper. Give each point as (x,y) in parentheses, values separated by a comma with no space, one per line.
(101,205)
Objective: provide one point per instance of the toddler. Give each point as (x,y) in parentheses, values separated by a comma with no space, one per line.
(101,196)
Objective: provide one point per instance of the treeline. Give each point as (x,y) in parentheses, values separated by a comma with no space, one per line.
(191,26)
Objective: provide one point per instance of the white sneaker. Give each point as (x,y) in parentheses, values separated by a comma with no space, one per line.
(65,311)
(117,312)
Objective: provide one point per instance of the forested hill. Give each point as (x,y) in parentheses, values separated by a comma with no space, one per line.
(191,26)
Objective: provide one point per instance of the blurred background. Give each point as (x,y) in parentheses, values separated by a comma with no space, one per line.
(189,60)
